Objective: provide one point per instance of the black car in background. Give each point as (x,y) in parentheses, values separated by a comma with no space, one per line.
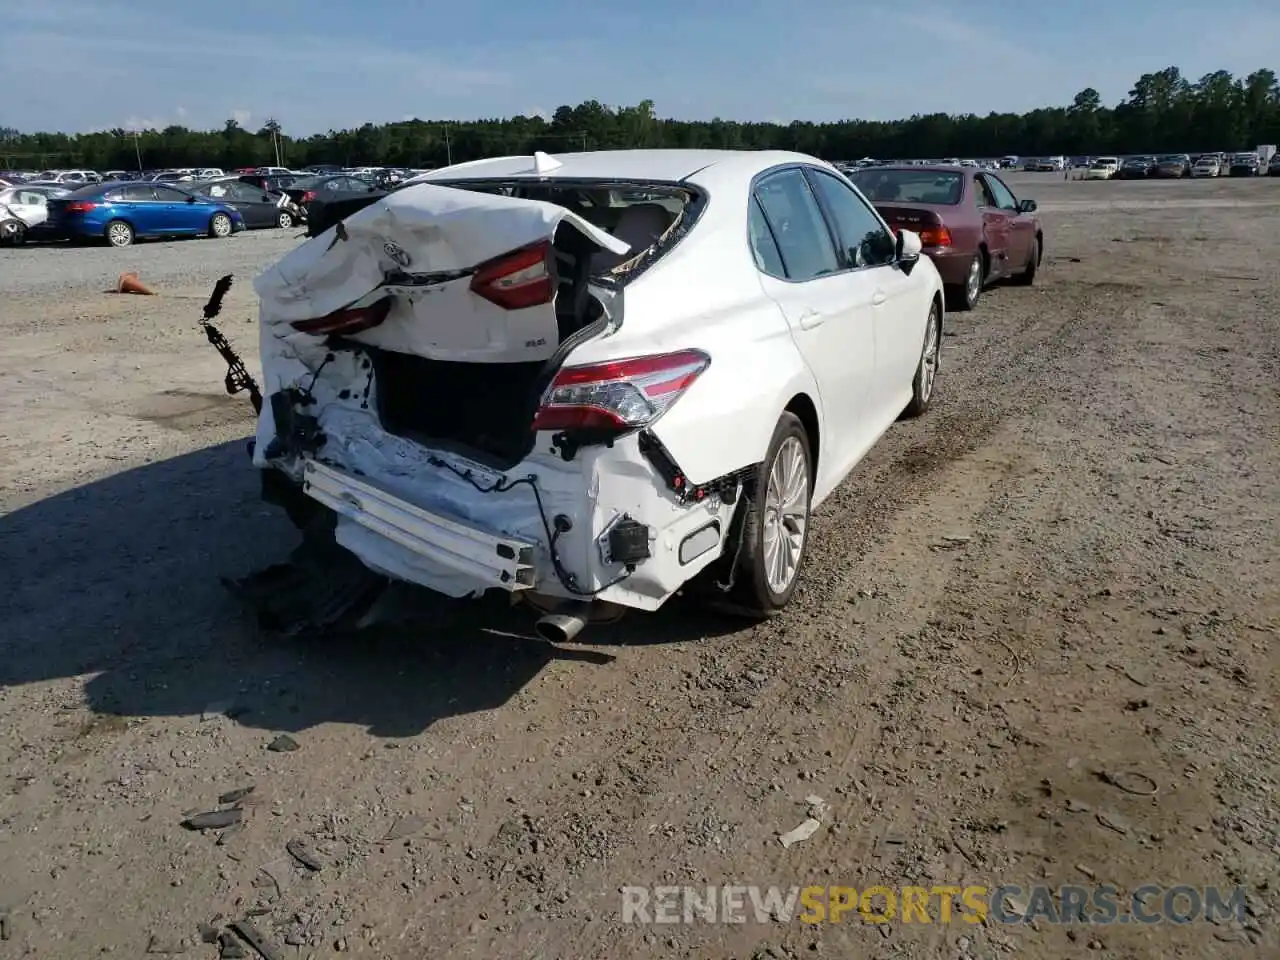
(1136,168)
(308,190)
(1244,165)
(272,182)
(258,207)
(1173,165)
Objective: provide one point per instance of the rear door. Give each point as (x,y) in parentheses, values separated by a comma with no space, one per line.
(868,251)
(1022,228)
(256,206)
(828,307)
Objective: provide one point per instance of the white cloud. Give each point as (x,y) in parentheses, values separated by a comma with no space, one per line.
(241,117)
(181,112)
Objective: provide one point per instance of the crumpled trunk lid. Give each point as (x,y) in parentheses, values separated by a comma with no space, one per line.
(421,245)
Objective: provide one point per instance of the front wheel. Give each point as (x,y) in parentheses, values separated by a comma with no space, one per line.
(284,220)
(775,528)
(927,367)
(220,226)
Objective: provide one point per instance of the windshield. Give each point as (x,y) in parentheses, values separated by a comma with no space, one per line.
(910,186)
(1103,163)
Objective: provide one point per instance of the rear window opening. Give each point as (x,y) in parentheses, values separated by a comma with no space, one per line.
(485,410)
(910,186)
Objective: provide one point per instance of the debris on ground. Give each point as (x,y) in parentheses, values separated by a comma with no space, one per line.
(254,938)
(300,851)
(283,744)
(235,796)
(214,819)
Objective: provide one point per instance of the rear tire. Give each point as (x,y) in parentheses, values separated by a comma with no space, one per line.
(119,234)
(13,232)
(284,220)
(927,369)
(775,528)
(965,296)
(220,226)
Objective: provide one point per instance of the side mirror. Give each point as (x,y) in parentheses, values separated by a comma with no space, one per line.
(907,250)
(1026,206)
(191,199)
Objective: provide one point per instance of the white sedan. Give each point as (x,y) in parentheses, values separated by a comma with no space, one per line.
(593,377)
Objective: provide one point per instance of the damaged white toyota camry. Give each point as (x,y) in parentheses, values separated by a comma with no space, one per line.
(592,377)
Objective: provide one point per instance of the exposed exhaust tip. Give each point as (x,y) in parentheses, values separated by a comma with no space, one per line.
(559,627)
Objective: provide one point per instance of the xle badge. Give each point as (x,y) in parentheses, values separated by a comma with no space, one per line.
(397,253)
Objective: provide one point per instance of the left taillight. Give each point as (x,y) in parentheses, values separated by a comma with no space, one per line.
(346,322)
(519,279)
(620,395)
(80,206)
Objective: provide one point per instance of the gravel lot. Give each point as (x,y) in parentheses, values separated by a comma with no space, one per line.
(1055,591)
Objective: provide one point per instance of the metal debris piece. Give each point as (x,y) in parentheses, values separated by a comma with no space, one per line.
(283,744)
(299,850)
(253,937)
(4,925)
(1113,822)
(208,933)
(800,833)
(229,834)
(234,796)
(213,820)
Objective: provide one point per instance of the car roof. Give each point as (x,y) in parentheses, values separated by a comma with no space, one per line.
(925,168)
(656,165)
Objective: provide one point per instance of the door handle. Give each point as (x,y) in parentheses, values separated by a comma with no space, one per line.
(878,298)
(809,319)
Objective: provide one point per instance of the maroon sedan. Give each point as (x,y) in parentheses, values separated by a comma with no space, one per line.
(972,226)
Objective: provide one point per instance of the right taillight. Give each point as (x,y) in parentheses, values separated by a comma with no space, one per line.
(345,322)
(308,196)
(519,279)
(619,395)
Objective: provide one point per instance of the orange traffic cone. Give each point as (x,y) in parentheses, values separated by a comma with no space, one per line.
(129,283)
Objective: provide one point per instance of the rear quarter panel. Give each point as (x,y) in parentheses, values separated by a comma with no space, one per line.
(706,294)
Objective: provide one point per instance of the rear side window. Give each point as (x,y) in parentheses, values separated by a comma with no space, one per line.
(763,247)
(801,234)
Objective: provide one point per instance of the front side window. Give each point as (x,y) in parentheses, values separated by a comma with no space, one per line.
(1005,199)
(864,241)
(803,241)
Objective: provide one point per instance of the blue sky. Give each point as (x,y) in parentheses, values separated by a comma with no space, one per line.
(94,64)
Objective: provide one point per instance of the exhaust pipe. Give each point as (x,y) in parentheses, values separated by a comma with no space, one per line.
(561,627)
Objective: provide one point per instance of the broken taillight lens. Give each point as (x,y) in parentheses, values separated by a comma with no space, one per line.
(519,279)
(346,322)
(619,395)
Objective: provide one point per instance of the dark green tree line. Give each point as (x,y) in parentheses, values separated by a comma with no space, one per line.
(1163,112)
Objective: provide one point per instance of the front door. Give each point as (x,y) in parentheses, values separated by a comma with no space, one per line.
(828,308)
(1021,227)
(996,229)
(869,252)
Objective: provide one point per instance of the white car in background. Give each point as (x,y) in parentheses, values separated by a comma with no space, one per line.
(1209,166)
(594,376)
(24,207)
(1103,168)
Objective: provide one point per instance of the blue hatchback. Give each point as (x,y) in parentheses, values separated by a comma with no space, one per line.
(123,212)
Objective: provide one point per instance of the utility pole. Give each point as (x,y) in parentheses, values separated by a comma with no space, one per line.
(274,126)
(448,146)
(137,149)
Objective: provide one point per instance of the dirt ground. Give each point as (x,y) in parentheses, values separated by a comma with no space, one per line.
(1023,613)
